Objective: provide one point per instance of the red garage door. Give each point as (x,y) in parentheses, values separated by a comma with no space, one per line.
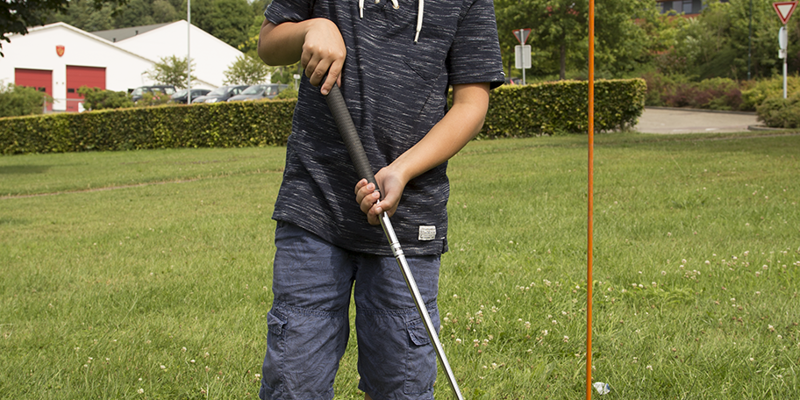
(94,77)
(39,79)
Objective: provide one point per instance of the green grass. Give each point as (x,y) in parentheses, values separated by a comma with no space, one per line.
(151,270)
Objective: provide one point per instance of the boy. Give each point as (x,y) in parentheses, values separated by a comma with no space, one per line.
(394,61)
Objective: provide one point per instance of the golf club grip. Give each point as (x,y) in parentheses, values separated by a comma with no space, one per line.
(348,131)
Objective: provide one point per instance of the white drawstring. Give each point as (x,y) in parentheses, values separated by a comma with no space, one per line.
(396,5)
(419,19)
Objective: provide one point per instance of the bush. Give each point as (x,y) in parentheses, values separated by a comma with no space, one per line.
(97,99)
(238,124)
(514,111)
(561,107)
(288,93)
(150,99)
(20,100)
(777,112)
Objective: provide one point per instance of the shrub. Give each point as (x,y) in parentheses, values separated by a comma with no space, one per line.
(97,99)
(20,100)
(238,124)
(150,99)
(561,107)
(515,111)
(289,93)
(777,112)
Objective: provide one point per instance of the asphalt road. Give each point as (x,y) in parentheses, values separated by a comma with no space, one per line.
(667,120)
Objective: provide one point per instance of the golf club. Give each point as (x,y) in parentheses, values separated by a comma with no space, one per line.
(356,150)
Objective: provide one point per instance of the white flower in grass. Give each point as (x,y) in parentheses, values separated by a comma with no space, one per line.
(163,367)
(649,367)
(140,391)
(771,328)
(566,339)
(458,341)
(708,262)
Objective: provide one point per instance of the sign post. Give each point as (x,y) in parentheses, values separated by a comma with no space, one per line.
(522,53)
(784,10)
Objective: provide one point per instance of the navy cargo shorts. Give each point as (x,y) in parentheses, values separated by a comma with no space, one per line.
(309,324)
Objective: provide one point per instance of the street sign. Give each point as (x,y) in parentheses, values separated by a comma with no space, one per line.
(522,35)
(784,9)
(522,59)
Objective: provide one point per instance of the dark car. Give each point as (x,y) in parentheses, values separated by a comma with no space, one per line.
(261,91)
(220,94)
(137,93)
(180,96)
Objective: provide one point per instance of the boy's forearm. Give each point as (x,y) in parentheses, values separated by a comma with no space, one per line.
(281,44)
(460,125)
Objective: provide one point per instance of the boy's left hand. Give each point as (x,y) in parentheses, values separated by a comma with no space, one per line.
(370,201)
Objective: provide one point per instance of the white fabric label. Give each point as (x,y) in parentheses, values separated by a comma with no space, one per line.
(427,232)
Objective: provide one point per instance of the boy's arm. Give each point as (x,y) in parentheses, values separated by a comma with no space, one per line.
(316,43)
(460,125)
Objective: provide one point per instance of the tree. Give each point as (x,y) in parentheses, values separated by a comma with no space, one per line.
(559,34)
(246,70)
(227,20)
(171,71)
(17,15)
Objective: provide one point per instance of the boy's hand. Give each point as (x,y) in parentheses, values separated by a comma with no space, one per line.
(323,53)
(392,186)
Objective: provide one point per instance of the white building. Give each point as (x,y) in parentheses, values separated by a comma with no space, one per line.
(59,58)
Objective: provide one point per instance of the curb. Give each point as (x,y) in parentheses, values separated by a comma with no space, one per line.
(763,128)
(700,110)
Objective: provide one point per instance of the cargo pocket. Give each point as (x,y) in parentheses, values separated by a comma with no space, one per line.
(421,360)
(273,369)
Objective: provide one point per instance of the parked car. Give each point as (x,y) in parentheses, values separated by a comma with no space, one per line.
(220,94)
(180,96)
(261,91)
(137,93)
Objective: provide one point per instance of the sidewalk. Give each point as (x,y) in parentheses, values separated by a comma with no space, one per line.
(671,120)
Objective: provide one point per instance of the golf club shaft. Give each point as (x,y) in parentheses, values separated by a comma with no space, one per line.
(356,150)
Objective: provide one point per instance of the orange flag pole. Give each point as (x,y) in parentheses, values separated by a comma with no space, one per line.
(589,286)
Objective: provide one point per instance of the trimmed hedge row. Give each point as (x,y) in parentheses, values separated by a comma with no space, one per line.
(514,111)
(561,107)
(203,125)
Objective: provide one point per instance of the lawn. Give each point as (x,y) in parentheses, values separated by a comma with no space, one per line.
(146,274)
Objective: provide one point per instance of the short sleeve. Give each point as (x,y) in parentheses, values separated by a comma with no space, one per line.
(280,11)
(475,54)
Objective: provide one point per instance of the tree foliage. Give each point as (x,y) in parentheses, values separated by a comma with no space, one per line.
(559,34)
(171,70)
(716,44)
(246,70)
(17,15)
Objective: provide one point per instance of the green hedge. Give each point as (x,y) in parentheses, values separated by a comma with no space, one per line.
(203,125)
(562,107)
(514,111)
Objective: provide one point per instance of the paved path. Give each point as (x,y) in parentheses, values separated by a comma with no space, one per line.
(665,121)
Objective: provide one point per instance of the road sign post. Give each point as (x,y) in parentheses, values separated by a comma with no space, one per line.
(784,10)
(522,53)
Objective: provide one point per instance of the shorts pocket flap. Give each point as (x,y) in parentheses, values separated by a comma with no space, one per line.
(276,322)
(418,334)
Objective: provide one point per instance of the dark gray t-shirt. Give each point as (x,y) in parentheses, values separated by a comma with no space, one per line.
(396,91)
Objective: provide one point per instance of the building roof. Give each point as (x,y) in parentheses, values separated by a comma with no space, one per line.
(117,35)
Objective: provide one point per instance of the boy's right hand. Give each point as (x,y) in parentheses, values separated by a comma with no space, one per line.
(323,53)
